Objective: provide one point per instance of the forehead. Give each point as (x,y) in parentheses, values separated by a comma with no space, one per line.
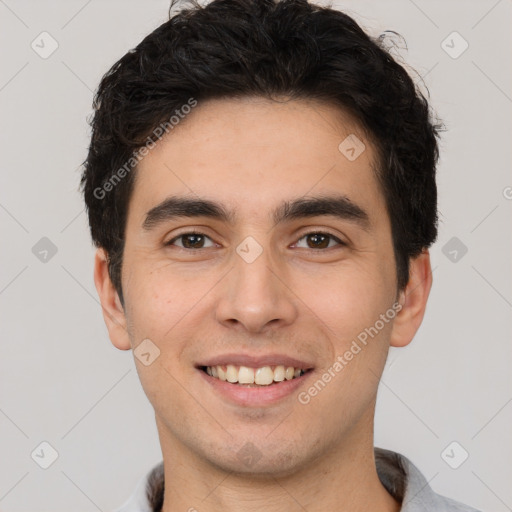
(249,153)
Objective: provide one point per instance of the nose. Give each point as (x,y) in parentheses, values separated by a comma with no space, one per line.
(255,296)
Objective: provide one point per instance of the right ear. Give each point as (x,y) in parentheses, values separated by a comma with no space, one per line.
(113,312)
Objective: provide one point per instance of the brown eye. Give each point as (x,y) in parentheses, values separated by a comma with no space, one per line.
(190,241)
(319,240)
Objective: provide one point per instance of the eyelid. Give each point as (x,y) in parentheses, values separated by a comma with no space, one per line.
(318,231)
(189,231)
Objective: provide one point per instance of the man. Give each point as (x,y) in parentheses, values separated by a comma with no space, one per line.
(261,189)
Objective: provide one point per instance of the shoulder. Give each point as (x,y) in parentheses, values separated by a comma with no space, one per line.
(403,479)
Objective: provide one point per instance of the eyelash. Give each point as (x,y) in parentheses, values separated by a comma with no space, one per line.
(304,235)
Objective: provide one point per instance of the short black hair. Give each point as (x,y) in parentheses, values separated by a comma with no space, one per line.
(271,49)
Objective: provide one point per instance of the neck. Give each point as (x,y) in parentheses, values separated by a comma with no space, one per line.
(344,479)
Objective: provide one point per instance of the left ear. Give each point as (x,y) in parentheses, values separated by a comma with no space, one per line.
(413,300)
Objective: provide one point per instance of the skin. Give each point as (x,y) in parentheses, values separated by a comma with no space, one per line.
(310,303)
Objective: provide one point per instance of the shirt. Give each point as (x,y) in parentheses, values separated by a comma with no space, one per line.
(402,479)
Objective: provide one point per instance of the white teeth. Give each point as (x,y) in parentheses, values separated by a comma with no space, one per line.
(221,373)
(246,375)
(231,373)
(263,376)
(279,373)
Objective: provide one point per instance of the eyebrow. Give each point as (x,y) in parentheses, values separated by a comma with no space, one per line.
(338,206)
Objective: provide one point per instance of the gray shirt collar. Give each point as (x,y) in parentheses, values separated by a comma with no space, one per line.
(398,474)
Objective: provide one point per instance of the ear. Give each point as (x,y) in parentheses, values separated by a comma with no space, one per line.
(413,300)
(113,312)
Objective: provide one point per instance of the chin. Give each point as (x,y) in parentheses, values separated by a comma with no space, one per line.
(258,456)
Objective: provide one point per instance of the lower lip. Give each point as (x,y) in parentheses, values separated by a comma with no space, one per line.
(255,396)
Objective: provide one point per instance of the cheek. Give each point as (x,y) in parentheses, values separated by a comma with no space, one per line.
(162,305)
(161,297)
(348,301)
(351,307)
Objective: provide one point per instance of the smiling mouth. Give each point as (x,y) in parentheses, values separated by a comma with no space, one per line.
(254,377)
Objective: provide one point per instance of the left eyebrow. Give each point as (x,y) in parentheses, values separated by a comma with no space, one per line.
(337,206)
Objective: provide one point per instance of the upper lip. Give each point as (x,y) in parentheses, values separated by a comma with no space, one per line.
(252,361)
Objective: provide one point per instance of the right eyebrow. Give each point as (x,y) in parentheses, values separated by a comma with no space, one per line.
(175,207)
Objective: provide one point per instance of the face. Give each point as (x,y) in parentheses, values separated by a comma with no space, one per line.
(274,252)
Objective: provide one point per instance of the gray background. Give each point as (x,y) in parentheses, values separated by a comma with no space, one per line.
(61,380)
